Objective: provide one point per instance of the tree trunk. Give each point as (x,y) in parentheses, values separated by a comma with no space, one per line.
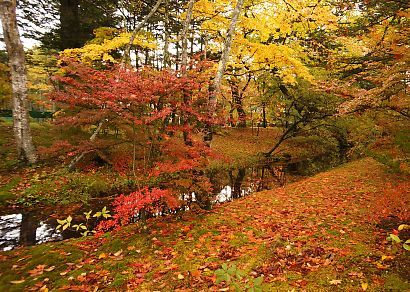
(28,229)
(177,53)
(137,65)
(216,86)
(237,99)
(81,155)
(167,61)
(70,24)
(184,37)
(264,121)
(124,61)
(184,64)
(15,51)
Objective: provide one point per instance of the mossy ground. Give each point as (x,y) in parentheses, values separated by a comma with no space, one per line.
(313,235)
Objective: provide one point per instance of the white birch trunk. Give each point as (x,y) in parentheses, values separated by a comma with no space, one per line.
(15,51)
(216,85)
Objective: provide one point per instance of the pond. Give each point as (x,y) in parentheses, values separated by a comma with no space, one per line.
(22,228)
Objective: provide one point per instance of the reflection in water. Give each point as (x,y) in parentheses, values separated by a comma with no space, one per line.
(24,229)
(10,231)
(46,232)
(34,228)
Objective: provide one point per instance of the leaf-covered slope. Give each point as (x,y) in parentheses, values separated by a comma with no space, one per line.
(317,234)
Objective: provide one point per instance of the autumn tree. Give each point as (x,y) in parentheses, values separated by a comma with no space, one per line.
(270,38)
(137,105)
(16,55)
(378,70)
(300,110)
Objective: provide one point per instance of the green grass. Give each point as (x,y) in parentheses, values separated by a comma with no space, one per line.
(5,191)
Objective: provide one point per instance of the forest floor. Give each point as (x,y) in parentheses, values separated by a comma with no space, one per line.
(318,234)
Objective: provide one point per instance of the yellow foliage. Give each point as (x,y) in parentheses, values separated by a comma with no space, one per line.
(352,47)
(40,66)
(260,23)
(5,85)
(103,49)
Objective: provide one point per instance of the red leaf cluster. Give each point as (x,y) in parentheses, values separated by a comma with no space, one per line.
(127,207)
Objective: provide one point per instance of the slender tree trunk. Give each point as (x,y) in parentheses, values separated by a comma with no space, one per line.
(15,51)
(192,41)
(126,57)
(184,64)
(205,47)
(92,138)
(184,37)
(28,229)
(167,61)
(264,121)
(231,119)
(177,54)
(237,99)
(237,187)
(136,59)
(146,57)
(290,132)
(216,86)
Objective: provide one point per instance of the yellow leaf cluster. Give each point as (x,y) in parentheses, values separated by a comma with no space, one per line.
(103,50)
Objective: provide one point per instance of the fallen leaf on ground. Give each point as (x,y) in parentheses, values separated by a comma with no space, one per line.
(17,281)
(335,282)
(50,269)
(118,253)
(37,271)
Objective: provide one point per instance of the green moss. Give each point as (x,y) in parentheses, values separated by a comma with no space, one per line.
(119,280)
(114,245)
(402,139)
(5,191)
(396,283)
(46,254)
(347,222)
(333,232)
(361,249)
(291,276)
(189,253)
(239,240)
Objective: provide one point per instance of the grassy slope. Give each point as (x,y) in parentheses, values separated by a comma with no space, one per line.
(242,146)
(303,235)
(239,144)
